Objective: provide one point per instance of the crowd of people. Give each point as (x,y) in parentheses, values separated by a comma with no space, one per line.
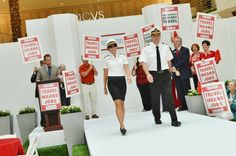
(156,70)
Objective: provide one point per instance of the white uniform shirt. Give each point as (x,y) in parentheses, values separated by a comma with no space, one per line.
(148,55)
(114,65)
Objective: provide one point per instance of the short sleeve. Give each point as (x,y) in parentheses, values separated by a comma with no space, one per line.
(143,56)
(104,64)
(125,60)
(169,54)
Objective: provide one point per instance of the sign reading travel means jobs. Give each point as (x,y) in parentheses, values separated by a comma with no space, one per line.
(215,98)
(146,33)
(49,95)
(132,45)
(170,18)
(206,71)
(91,48)
(205,25)
(30,49)
(71,83)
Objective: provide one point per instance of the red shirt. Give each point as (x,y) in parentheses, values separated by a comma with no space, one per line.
(90,77)
(141,78)
(192,60)
(210,54)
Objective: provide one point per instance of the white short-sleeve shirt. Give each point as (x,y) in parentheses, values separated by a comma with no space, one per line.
(149,56)
(115,65)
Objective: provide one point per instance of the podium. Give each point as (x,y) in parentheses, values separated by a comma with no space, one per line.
(50,103)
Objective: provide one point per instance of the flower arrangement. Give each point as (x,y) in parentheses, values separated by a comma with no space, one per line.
(192,92)
(70,109)
(27,110)
(4,113)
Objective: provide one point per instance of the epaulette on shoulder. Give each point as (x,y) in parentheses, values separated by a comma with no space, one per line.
(106,56)
(121,54)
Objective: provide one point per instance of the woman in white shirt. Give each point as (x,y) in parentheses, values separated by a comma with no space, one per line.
(116,67)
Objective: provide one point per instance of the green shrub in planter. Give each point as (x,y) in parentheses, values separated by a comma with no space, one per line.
(192,93)
(27,110)
(4,113)
(70,109)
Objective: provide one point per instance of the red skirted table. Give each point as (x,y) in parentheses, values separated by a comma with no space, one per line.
(11,147)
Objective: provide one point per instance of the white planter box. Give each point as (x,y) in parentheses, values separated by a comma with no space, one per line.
(26,123)
(5,126)
(73,125)
(195,104)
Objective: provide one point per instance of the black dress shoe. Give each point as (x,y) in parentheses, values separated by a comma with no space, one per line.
(182,109)
(123,131)
(158,122)
(176,123)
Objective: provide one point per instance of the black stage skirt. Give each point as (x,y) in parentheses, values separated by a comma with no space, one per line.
(117,87)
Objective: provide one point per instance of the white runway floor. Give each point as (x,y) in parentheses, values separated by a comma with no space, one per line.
(198,136)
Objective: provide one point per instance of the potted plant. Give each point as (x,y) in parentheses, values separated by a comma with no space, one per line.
(72,120)
(5,125)
(26,119)
(195,102)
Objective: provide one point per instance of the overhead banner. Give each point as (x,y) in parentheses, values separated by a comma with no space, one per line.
(91,48)
(146,33)
(205,25)
(30,49)
(70,83)
(170,18)
(132,46)
(215,98)
(206,71)
(49,96)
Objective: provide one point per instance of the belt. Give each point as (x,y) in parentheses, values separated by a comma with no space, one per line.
(87,83)
(159,72)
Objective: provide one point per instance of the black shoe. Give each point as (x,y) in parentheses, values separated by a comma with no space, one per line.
(158,122)
(95,116)
(175,123)
(123,131)
(182,109)
(87,117)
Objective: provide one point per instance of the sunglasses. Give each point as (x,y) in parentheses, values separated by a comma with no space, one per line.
(112,46)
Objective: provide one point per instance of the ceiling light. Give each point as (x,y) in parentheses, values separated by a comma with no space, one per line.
(62,4)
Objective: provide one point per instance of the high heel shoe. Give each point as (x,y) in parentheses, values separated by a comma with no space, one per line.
(123,131)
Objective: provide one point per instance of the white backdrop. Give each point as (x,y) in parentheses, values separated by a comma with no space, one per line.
(61,36)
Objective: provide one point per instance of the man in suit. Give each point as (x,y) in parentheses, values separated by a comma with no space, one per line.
(46,72)
(34,76)
(181,71)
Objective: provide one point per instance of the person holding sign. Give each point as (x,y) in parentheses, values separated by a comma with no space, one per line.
(46,72)
(207,53)
(87,73)
(34,76)
(156,61)
(181,71)
(116,67)
(195,57)
(65,101)
(143,85)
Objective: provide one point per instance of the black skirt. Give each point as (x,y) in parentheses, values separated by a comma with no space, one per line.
(117,87)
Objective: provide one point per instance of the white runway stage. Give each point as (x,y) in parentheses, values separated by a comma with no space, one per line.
(198,136)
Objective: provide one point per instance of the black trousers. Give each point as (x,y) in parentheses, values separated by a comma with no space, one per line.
(182,87)
(145,93)
(65,101)
(162,85)
(195,80)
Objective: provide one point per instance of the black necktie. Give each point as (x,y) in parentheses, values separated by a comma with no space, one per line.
(158,59)
(49,71)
